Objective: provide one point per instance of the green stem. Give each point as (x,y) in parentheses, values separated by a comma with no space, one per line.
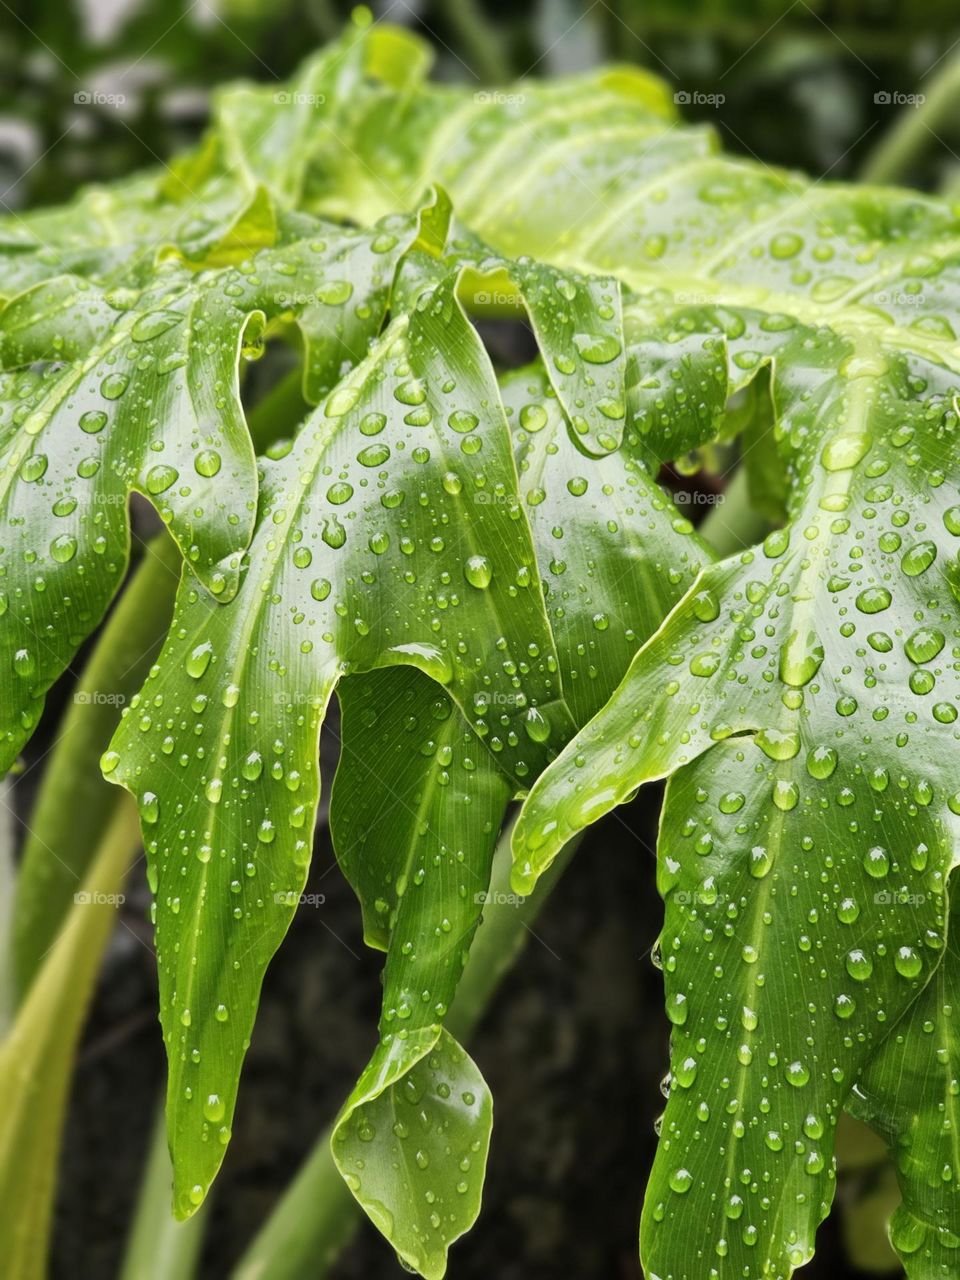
(75,806)
(899,148)
(733,524)
(36,1058)
(478,40)
(317,1214)
(159,1247)
(8,881)
(314,1220)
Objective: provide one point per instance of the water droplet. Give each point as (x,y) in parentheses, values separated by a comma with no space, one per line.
(874,600)
(801,657)
(533,417)
(918,558)
(478,572)
(207,462)
(160,478)
(599,348)
(199,659)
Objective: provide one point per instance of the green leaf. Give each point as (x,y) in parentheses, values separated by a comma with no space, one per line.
(908,1094)
(818,659)
(614,554)
(412,1138)
(783,969)
(439,1124)
(148,400)
(415,793)
(271,134)
(116,236)
(578,323)
(825,647)
(370,550)
(414,833)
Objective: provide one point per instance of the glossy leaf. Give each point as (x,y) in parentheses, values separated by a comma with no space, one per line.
(784,966)
(908,1093)
(826,646)
(144,396)
(417,845)
(221,746)
(418,801)
(665,284)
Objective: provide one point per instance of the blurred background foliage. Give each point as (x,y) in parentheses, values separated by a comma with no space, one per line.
(91,89)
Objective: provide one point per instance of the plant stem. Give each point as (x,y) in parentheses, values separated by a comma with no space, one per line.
(733,524)
(898,149)
(37,1056)
(159,1247)
(317,1214)
(75,805)
(8,881)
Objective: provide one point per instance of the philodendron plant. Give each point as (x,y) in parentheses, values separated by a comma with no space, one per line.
(482,566)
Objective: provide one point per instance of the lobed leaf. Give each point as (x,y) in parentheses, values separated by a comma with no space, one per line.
(807,721)
(411,1140)
(414,831)
(144,396)
(370,550)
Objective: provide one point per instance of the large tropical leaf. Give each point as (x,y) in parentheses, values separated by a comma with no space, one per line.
(371,550)
(418,803)
(825,647)
(826,644)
